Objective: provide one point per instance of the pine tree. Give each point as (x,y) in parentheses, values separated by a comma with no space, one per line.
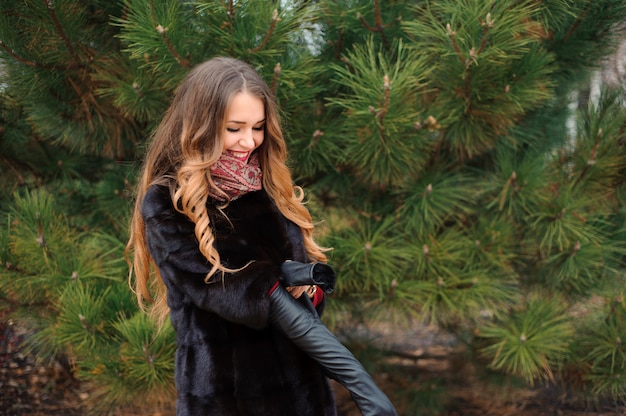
(436,140)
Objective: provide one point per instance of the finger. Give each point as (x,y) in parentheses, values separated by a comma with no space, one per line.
(297,291)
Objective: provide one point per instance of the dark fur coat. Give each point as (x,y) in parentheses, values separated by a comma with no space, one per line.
(229,360)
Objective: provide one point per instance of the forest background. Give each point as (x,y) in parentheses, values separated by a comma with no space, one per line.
(464,168)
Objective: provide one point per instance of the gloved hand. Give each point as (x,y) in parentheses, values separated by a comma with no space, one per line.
(307,331)
(296,273)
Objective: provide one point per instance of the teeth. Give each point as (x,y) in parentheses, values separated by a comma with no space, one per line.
(239,155)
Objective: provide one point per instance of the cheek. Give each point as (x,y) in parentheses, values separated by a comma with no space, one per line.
(258,139)
(229,140)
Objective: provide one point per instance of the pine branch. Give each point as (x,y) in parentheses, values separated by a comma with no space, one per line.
(379,26)
(231,11)
(168,43)
(466,63)
(451,34)
(380,113)
(33,64)
(170,47)
(511,183)
(15,303)
(266,39)
(317,135)
(276,78)
(592,158)
(486,24)
(17,57)
(472,58)
(41,240)
(578,21)
(16,166)
(339,45)
(57,25)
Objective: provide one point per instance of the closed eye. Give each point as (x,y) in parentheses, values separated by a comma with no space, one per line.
(232,130)
(259,128)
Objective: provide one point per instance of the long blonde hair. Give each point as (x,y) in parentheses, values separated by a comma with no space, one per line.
(185,144)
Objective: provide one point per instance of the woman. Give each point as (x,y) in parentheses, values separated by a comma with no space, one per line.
(218,216)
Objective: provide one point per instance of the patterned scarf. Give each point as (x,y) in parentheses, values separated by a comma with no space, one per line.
(235,177)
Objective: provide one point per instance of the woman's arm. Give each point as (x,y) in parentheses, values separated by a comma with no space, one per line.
(240,297)
(311,336)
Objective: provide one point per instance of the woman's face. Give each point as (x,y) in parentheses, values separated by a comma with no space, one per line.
(245,125)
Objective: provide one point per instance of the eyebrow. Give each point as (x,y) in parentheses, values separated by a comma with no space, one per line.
(243,122)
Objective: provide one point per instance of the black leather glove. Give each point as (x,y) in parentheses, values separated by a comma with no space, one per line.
(307,331)
(296,273)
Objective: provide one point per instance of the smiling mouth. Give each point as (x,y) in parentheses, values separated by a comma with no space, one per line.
(243,156)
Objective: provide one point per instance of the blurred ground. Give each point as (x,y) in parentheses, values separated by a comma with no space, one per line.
(427,372)
(430,366)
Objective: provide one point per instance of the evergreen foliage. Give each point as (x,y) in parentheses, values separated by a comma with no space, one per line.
(458,180)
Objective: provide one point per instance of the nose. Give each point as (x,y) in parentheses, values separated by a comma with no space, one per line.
(247,140)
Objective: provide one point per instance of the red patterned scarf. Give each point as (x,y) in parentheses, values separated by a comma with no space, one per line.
(235,177)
